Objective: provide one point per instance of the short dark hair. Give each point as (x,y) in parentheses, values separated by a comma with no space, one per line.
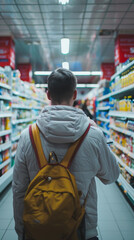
(61,85)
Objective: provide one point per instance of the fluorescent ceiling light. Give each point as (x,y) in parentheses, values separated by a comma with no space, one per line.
(81,85)
(65,45)
(78,85)
(65,65)
(77,73)
(63,1)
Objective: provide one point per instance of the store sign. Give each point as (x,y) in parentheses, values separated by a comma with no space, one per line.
(108,69)
(124,48)
(25,71)
(7,52)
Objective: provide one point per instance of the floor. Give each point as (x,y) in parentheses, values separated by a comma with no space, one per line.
(115,216)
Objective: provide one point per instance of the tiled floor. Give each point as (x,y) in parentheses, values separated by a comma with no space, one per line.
(115,216)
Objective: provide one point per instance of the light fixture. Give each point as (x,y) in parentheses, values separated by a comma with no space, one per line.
(77,73)
(80,85)
(63,1)
(65,65)
(65,45)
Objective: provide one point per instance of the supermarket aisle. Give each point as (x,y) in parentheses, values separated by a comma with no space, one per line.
(116,218)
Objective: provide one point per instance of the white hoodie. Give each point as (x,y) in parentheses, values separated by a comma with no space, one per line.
(59,126)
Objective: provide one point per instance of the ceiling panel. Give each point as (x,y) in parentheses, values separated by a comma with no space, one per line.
(73,8)
(8,8)
(121,1)
(112,21)
(94,15)
(109,26)
(118,7)
(115,15)
(127,21)
(31,15)
(129,15)
(29,8)
(26,1)
(131,8)
(48,8)
(128,26)
(14,21)
(52,15)
(7,2)
(98,1)
(9,15)
(96,8)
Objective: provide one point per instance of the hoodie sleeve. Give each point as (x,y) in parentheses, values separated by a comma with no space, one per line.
(109,169)
(19,186)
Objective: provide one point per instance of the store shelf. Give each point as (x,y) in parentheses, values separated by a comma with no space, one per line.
(121,114)
(104,97)
(6,98)
(123,149)
(5,146)
(21,107)
(104,130)
(128,169)
(15,138)
(103,119)
(118,129)
(23,120)
(13,153)
(5,163)
(5,179)
(38,100)
(5,114)
(122,90)
(118,92)
(37,108)
(5,132)
(3,85)
(122,70)
(21,94)
(103,108)
(126,187)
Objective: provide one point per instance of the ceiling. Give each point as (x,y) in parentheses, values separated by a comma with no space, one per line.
(38,25)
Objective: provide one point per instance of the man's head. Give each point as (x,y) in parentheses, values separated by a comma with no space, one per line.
(62,87)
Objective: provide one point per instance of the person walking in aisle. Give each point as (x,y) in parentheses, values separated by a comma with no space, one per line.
(85,108)
(60,125)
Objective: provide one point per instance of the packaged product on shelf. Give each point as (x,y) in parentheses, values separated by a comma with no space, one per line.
(7,123)
(3,76)
(6,155)
(130,125)
(4,169)
(1,158)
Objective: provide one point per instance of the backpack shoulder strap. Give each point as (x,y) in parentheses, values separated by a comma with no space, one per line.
(67,160)
(37,146)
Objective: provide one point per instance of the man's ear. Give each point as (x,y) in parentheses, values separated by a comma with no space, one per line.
(74,94)
(48,95)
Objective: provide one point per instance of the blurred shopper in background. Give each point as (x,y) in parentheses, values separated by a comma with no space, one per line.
(60,125)
(85,108)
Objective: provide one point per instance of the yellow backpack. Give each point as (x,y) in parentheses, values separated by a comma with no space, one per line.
(52,209)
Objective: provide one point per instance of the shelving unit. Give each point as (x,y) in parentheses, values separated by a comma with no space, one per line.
(116,117)
(5,113)
(25,105)
(127,189)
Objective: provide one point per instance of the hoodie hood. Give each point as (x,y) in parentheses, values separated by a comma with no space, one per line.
(62,124)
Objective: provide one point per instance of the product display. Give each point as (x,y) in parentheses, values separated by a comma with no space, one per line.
(115,116)
(20,105)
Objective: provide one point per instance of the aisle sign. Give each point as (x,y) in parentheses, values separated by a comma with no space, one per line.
(7,52)
(25,71)
(108,69)
(124,48)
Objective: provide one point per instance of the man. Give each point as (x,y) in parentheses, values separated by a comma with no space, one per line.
(61,124)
